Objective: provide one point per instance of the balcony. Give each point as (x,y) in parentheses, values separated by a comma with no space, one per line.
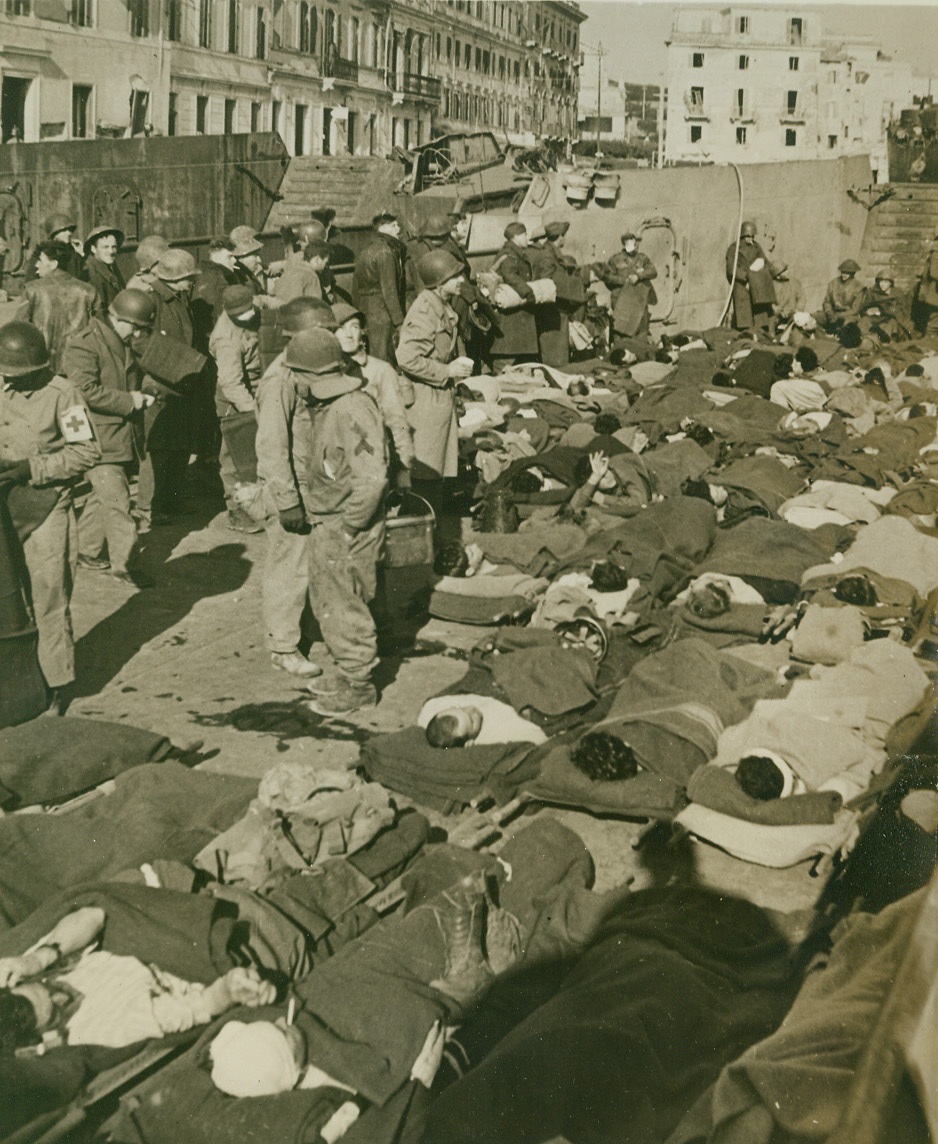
(792,114)
(340,69)
(694,108)
(421,86)
(744,114)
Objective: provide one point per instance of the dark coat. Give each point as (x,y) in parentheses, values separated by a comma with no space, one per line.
(205,303)
(104,369)
(169,422)
(107,280)
(518,327)
(750,287)
(74,264)
(379,284)
(553,319)
(630,300)
(60,306)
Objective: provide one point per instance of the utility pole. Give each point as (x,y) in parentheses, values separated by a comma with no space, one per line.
(599,92)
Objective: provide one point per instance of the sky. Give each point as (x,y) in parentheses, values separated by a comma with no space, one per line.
(632,35)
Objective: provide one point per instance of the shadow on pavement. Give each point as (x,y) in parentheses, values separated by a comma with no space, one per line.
(180,584)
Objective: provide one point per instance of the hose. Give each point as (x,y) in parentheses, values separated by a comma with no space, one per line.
(739,227)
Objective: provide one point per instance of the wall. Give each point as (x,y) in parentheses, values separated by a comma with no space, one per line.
(801,209)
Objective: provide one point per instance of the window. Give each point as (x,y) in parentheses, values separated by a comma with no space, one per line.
(205,23)
(791,137)
(478,59)
(795,29)
(299,129)
(173,23)
(467,58)
(172,118)
(260,35)
(846,132)
(832,76)
(81,13)
(741,136)
(438,45)
(793,63)
(697,97)
(18,7)
(351,133)
(275,109)
(230,108)
(740,100)
(201,115)
(449,48)
(233,26)
(742,63)
(458,54)
(255,117)
(697,60)
(517,71)
(742,25)
(792,102)
(327,131)
(354,29)
(309,29)
(832,141)
(696,133)
(81,110)
(139,17)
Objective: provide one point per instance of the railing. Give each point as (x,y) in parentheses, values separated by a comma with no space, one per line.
(423,86)
(790,114)
(744,114)
(694,108)
(339,68)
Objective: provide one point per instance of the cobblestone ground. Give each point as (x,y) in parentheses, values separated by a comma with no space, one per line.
(187,658)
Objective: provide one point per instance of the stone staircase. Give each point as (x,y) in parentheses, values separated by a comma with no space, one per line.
(356,188)
(899,232)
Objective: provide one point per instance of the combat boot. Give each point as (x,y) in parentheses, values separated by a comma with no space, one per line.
(462,924)
(346,699)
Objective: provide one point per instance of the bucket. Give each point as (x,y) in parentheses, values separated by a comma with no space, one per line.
(408,539)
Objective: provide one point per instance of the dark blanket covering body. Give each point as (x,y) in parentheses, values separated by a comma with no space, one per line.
(679,983)
(793,1087)
(366,1012)
(157,811)
(49,759)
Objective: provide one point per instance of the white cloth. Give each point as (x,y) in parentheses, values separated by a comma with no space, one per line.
(501,723)
(253,1060)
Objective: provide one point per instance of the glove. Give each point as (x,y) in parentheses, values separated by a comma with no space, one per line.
(141,400)
(293,519)
(403,479)
(15,472)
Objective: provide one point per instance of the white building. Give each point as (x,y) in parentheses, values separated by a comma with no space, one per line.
(757,85)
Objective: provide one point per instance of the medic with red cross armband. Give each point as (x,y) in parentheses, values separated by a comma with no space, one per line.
(46,443)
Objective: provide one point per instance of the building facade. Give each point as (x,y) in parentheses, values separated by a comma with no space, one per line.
(344,77)
(757,85)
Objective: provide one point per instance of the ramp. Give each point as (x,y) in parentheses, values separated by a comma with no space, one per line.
(899,233)
(355,188)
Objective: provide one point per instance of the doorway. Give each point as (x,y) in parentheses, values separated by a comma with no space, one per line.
(13,107)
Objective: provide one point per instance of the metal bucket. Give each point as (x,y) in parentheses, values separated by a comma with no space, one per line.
(408,540)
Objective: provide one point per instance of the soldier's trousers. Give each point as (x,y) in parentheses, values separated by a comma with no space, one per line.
(342,582)
(51,561)
(285,586)
(162,481)
(106,516)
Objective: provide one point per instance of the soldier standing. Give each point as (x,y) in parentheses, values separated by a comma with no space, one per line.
(753,289)
(46,442)
(630,274)
(379,285)
(100,361)
(101,247)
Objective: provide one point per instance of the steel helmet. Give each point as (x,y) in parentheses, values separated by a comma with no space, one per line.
(306,314)
(310,231)
(135,306)
(748,229)
(436,267)
(437,226)
(849,267)
(22,349)
(315,351)
(175,265)
(150,250)
(245,241)
(58,222)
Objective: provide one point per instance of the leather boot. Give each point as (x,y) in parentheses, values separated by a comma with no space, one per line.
(462,924)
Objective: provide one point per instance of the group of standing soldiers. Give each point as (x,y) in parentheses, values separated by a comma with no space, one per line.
(343,394)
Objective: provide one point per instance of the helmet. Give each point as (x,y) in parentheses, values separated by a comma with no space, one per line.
(56,222)
(344,312)
(22,349)
(175,265)
(100,232)
(310,231)
(245,241)
(306,314)
(587,632)
(436,267)
(849,267)
(315,351)
(135,306)
(150,250)
(748,229)
(436,226)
